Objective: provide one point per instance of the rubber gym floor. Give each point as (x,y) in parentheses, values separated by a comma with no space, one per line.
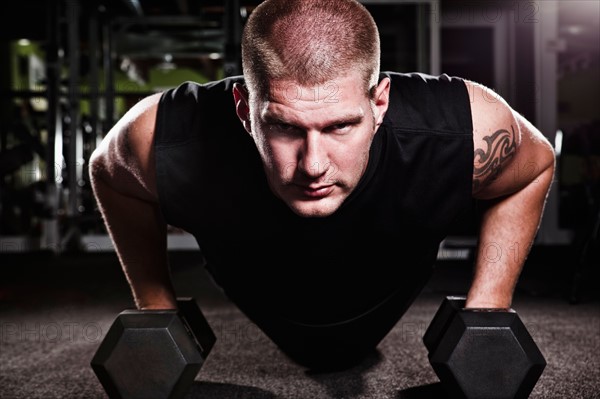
(55,310)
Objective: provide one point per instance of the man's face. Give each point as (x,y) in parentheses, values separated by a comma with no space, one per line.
(314,141)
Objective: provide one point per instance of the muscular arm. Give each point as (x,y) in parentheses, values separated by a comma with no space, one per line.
(124,183)
(513,170)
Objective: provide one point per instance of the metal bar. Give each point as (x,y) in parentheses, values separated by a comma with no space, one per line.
(92,243)
(421,38)
(73,11)
(109,84)
(546,72)
(74,163)
(104,243)
(94,73)
(6,108)
(167,20)
(50,236)
(435,63)
(511,94)
(5,84)
(233,34)
(82,94)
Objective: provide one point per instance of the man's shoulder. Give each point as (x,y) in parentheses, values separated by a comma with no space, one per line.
(193,99)
(192,110)
(422,80)
(193,91)
(426,102)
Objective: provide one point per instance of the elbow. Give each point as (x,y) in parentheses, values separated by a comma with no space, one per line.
(548,159)
(96,166)
(548,167)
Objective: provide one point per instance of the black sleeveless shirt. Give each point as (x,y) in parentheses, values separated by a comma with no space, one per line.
(384,237)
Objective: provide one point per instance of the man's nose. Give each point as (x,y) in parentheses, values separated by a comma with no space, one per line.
(313,160)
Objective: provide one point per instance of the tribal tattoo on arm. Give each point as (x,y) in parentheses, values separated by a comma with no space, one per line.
(501,146)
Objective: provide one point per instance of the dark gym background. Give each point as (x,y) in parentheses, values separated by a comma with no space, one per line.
(69,69)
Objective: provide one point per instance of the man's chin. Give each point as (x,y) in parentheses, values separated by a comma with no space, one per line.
(314,208)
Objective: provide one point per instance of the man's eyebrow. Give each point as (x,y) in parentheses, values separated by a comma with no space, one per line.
(271,118)
(350,119)
(346,119)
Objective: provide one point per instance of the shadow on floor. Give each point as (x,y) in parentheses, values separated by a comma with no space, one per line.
(423,392)
(217,390)
(347,383)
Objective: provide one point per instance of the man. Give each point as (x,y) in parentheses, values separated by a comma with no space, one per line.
(318,188)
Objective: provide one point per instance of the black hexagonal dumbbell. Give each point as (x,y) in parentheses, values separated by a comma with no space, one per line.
(482,353)
(153,353)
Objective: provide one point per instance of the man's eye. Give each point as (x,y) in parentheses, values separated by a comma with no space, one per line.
(284,127)
(340,127)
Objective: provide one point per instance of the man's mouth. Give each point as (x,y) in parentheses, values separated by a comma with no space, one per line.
(316,191)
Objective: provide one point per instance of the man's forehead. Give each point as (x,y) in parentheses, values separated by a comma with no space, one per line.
(310,115)
(275,113)
(290,91)
(329,92)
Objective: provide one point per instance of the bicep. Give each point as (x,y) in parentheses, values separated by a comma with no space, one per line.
(124,160)
(509,152)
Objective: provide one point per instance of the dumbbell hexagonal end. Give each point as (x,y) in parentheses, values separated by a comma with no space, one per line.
(485,354)
(197,324)
(442,318)
(147,354)
(535,364)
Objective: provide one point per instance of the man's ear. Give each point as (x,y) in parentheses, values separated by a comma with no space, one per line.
(381,100)
(242,107)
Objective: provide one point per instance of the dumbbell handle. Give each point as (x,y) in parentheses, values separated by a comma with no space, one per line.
(196,324)
(488,310)
(441,319)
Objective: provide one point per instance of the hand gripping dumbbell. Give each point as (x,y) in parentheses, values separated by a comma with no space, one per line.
(482,353)
(153,353)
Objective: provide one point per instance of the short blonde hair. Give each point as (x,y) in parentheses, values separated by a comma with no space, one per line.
(309,42)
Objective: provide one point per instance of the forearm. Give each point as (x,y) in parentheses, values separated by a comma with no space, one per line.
(139,235)
(507,231)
